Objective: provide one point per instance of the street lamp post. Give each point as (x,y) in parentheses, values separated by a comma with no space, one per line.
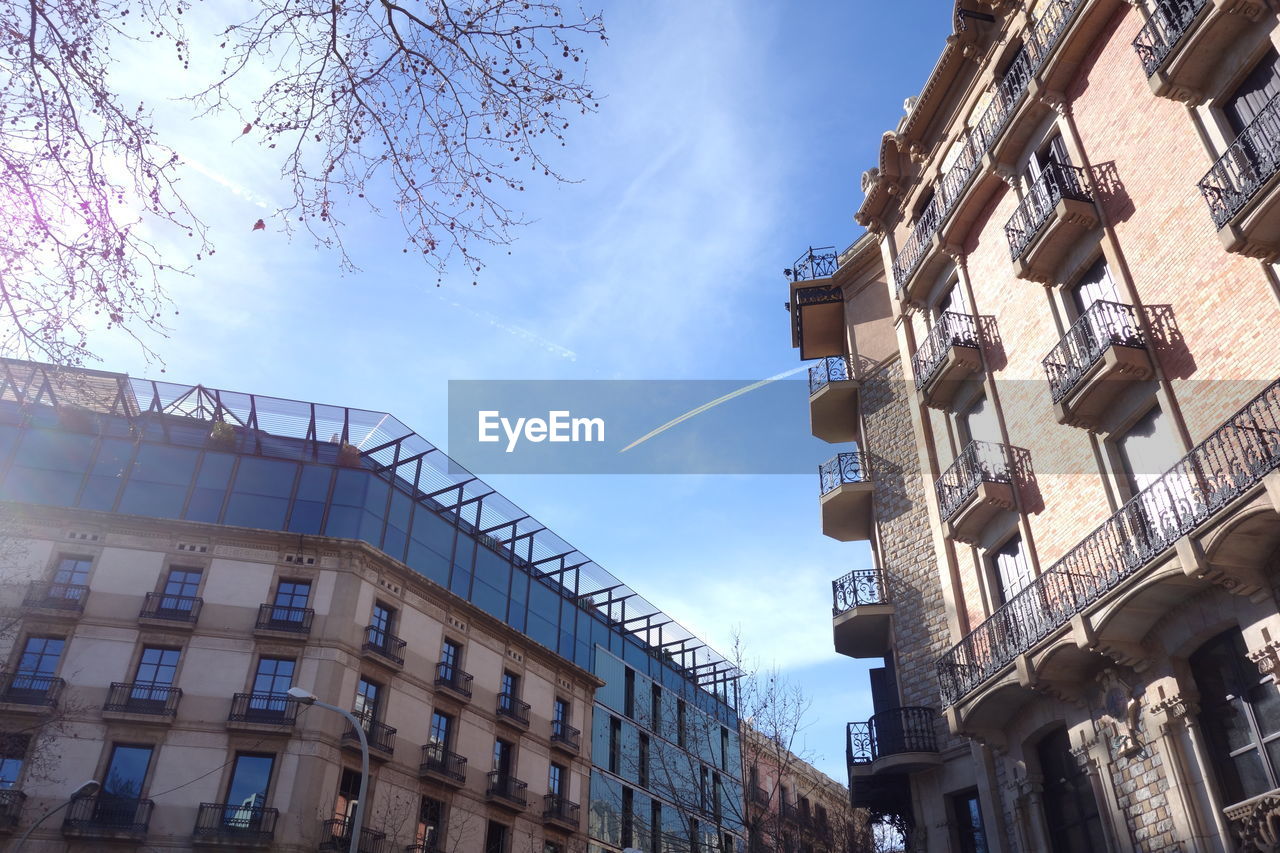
(86,789)
(307,698)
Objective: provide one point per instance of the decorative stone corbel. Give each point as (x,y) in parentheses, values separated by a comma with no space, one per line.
(1256,822)
(1007,174)
(1056,101)
(1267,658)
(1235,579)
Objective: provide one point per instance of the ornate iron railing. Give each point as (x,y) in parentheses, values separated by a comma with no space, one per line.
(1101,326)
(27,688)
(454,679)
(437,759)
(912,251)
(841,469)
(836,368)
(1246,166)
(511,707)
(951,330)
(813,264)
(1056,182)
(1220,469)
(291,620)
(11,800)
(57,596)
(236,821)
(143,698)
(380,736)
(108,814)
(384,644)
(892,732)
(336,836)
(272,709)
(759,796)
(558,808)
(505,787)
(980,462)
(864,586)
(1169,22)
(171,608)
(563,733)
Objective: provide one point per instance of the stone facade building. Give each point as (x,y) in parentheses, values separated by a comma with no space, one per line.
(176,558)
(1055,351)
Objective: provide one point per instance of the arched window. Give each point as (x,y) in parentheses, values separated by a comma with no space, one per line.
(1240,717)
(1070,809)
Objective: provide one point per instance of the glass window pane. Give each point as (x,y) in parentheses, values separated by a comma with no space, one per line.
(249,781)
(126,772)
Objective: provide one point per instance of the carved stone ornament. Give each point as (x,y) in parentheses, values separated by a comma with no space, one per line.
(1267,658)
(1120,703)
(870,178)
(1256,822)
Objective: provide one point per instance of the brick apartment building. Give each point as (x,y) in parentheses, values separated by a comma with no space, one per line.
(176,557)
(792,806)
(1054,352)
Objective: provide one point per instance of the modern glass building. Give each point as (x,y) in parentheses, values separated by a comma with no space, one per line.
(107,442)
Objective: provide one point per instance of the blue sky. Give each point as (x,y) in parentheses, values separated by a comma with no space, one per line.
(731,137)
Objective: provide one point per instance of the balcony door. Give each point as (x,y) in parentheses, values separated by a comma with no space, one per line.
(1149,450)
(1254,92)
(247,791)
(978,422)
(126,772)
(1096,285)
(1070,808)
(271,685)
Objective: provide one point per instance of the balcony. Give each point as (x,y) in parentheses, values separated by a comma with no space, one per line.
(381,737)
(506,790)
(107,818)
(29,692)
(284,623)
(170,611)
(235,825)
(335,837)
(758,796)
(11,801)
(1102,354)
(950,355)
(913,251)
(264,712)
(845,483)
(900,740)
(1223,468)
(833,399)
(383,646)
(977,487)
(557,810)
(565,737)
(442,765)
(453,680)
(1051,219)
(141,702)
(861,614)
(56,599)
(512,711)
(816,305)
(1184,43)
(1240,188)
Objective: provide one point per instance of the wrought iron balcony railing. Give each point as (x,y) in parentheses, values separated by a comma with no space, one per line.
(143,698)
(289,620)
(892,732)
(510,706)
(1169,22)
(758,795)
(980,462)
(11,800)
(864,586)
(1056,182)
(432,846)
(381,737)
(836,368)
(28,688)
(1102,325)
(912,251)
(1008,95)
(1232,460)
(453,678)
(271,709)
(108,815)
(236,822)
(57,596)
(172,608)
(384,644)
(1246,166)
(813,264)
(842,469)
(505,787)
(563,733)
(336,836)
(951,330)
(437,759)
(558,808)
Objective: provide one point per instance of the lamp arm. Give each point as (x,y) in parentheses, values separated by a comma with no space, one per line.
(50,813)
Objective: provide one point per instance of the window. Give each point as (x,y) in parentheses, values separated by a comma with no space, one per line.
(1148,449)
(629,701)
(628,817)
(69,575)
(655,825)
(503,756)
(1052,152)
(724,748)
(13,753)
(274,676)
(1240,717)
(955,301)
(180,589)
(655,707)
(967,814)
(40,656)
(1253,93)
(495,838)
(290,600)
(247,790)
(680,722)
(368,701)
(642,758)
(615,745)
(380,625)
(559,716)
(1070,810)
(1012,569)
(157,669)
(1094,285)
(510,685)
(441,730)
(551,847)
(450,660)
(344,805)
(978,422)
(429,834)
(555,779)
(122,785)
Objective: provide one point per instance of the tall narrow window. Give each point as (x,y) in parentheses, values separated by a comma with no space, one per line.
(680,714)
(1012,569)
(555,779)
(441,733)
(1094,285)
(642,760)
(503,756)
(368,705)
(956,301)
(380,626)
(615,745)
(122,785)
(429,834)
(495,838)
(978,422)
(344,805)
(628,817)
(967,813)
(1148,449)
(450,660)
(629,693)
(655,707)
(1070,809)
(157,669)
(247,790)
